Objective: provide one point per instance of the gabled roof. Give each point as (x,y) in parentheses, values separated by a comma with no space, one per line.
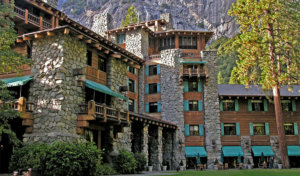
(255,90)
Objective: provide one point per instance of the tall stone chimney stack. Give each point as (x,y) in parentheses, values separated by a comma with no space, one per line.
(169,20)
(101,23)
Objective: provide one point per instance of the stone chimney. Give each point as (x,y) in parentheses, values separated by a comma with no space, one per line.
(169,20)
(53,3)
(101,23)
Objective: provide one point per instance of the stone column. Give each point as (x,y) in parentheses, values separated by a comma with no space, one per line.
(169,20)
(53,90)
(274,141)
(123,140)
(146,141)
(159,148)
(102,22)
(211,110)
(168,145)
(246,147)
(141,91)
(172,100)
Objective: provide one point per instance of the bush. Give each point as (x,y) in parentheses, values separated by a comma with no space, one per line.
(59,158)
(125,162)
(141,161)
(105,169)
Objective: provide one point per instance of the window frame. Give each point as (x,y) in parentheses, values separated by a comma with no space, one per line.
(131,105)
(131,69)
(293,128)
(191,84)
(89,55)
(230,125)
(102,62)
(254,107)
(153,70)
(153,105)
(152,87)
(290,106)
(119,41)
(193,105)
(225,105)
(131,85)
(194,130)
(261,125)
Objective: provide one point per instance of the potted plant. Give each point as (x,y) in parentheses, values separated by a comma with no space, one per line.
(216,164)
(181,165)
(165,164)
(279,164)
(249,164)
(150,167)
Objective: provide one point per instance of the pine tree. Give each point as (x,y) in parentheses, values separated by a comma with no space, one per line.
(268,48)
(131,17)
(220,78)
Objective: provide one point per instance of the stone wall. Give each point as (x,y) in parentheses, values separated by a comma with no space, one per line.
(168,145)
(53,3)
(54,90)
(172,100)
(211,110)
(122,140)
(274,141)
(155,146)
(169,20)
(137,42)
(116,77)
(141,91)
(102,22)
(246,147)
(145,134)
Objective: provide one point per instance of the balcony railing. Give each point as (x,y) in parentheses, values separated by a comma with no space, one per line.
(156,56)
(199,71)
(95,75)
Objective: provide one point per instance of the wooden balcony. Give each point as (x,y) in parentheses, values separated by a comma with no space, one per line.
(189,72)
(96,75)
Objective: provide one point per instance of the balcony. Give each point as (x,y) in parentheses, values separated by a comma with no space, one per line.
(23,14)
(95,75)
(190,72)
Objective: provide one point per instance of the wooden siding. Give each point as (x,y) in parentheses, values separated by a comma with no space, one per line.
(194,141)
(193,117)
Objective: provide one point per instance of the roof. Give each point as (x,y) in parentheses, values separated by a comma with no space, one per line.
(255,90)
(151,120)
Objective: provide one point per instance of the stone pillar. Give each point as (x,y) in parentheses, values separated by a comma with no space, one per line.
(211,110)
(169,20)
(141,91)
(53,90)
(159,148)
(122,140)
(172,100)
(274,141)
(246,147)
(53,3)
(137,42)
(168,145)
(102,22)
(146,141)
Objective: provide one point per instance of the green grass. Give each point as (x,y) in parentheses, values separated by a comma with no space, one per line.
(254,172)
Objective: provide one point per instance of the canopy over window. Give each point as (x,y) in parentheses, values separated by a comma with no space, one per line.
(16,81)
(293,150)
(103,89)
(266,150)
(232,151)
(195,151)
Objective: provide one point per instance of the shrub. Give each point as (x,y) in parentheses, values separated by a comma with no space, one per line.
(59,158)
(216,161)
(141,161)
(105,169)
(125,162)
(181,163)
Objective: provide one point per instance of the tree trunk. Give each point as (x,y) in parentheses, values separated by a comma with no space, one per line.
(280,128)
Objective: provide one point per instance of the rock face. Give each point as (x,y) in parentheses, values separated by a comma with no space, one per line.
(187,14)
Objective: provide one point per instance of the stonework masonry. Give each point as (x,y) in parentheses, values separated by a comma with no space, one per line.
(211,110)
(169,20)
(54,90)
(274,141)
(172,100)
(145,134)
(137,42)
(122,140)
(141,91)
(102,22)
(246,147)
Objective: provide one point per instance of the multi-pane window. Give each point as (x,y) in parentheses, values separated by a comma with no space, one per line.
(131,105)
(131,70)
(166,43)
(259,129)
(286,105)
(194,130)
(193,86)
(152,69)
(289,128)
(228,105)
(131,85)
(193,105)
(121,38)
(188,42)
(153,107)
(153,88)
(257,105)
(89,58)
(101,63)
(229,129)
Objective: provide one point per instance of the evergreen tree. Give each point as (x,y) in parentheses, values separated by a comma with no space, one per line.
(131,17)
(268,47)
(220,78)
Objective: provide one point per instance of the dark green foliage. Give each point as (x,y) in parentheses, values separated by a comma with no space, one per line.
(106,169)
(60,158)
(141,161)
(181,163)
(150,163)
(125,162)
(131,17)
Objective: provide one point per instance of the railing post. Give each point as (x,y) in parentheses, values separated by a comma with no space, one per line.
(53,22)
(22,104)
(26,16)
(91,108)
(119,114)
(190,71)
(104,113)
(128,119)
(198,70)
(41,23)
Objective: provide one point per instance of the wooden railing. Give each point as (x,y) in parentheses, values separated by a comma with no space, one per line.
(190,55)
(199,71)
(28,17)
(95,75)
(156,56)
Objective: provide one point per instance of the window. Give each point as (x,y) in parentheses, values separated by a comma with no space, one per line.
(286,105)
(194,130)
(257,105)
(89,58)
(193,68)
(188,42)
(228,105)
(131,105)
(229,129)
(193,86)
(193,105)
(166,43)
(289,128)
(131,85)
(101,63)
(131,69)
(259,129)
(153,88)
(153,70)
(121,38)
(153,107)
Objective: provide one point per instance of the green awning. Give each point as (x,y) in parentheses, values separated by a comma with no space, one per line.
(103,89)
(232,151)
(16,81)
(193,62)
(293,150)
(195,151)
(266,150)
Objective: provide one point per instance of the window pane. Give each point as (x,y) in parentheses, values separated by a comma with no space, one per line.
(131,105)
(289,128)
(89,58)
(101,63)
(259,129)
(193,105)
(152,107)
(257,105)
(194,130)
(193,86)
(153,70)
(228,105)
(229,129)
(153,88)
(286,105)
(131,85)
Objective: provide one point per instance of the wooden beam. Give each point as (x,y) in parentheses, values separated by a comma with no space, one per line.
(118,56)
(136,66)
(106,51)
(49,33)
(66,31)
(19,40)
(79,36)
(38,36)
(88,41)
(27,38)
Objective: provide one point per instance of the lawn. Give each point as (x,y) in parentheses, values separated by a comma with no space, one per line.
(254,172)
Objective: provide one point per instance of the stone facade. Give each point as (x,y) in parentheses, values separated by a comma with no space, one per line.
(53,3)
(145,134)
(141,87)
(102,22)
(168,146)
(274,141)
(122,140)
(212,123)
(172,100)
(53,89)
(169,20)
(246,147)
(137,42)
